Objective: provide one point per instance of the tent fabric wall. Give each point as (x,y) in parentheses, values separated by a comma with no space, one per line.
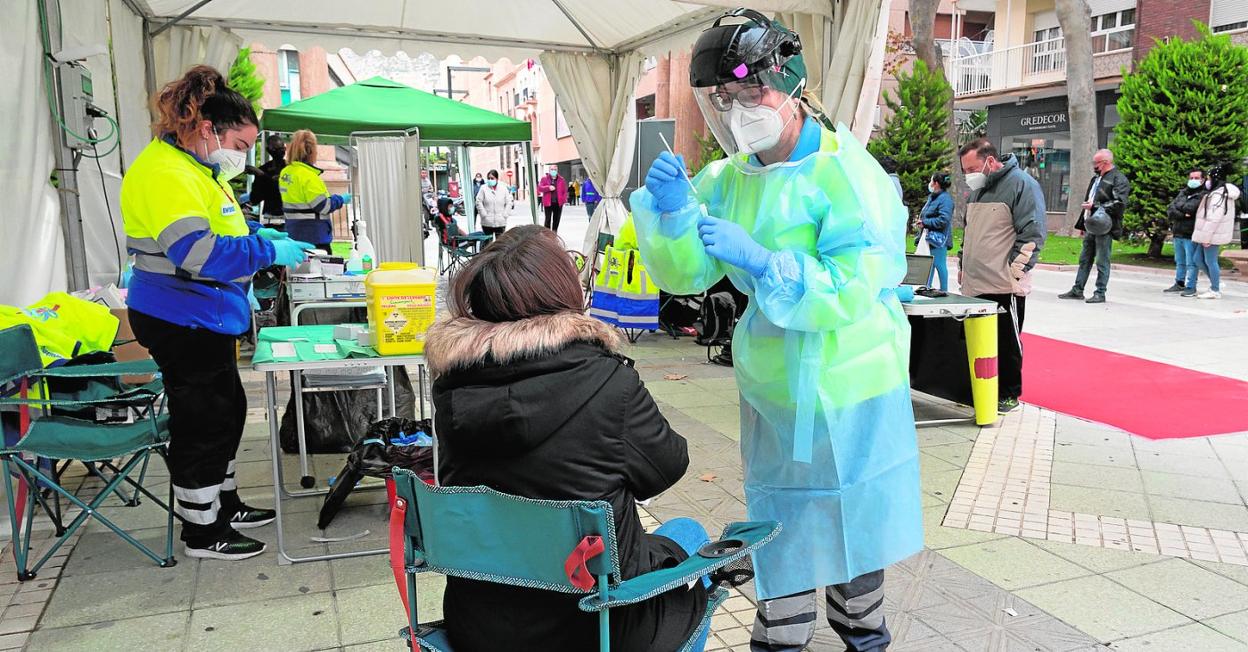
(384,201)
(856,30)
(179,48)
(31,243)
(596,94)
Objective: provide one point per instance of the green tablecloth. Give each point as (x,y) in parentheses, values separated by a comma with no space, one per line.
(310,343)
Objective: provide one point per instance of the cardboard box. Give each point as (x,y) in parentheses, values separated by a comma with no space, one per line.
(126,349)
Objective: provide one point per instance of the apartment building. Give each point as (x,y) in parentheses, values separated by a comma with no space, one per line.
(1013,64)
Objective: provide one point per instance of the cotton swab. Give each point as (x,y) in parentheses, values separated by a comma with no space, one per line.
(685,174)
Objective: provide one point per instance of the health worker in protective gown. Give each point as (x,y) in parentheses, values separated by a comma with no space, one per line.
(803,220)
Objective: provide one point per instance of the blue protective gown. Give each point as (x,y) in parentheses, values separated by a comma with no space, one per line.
(821,354)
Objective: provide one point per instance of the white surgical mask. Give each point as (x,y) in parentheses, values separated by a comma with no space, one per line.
(758,128)
(1193,183)
(933,188)
(976,180)
(229,161)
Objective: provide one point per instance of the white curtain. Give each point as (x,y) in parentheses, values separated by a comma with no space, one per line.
(596,93)
(31,243)
(389,198)
(851,84)
(179,48)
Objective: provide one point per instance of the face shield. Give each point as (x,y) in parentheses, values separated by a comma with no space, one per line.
(746,78)
(748,116)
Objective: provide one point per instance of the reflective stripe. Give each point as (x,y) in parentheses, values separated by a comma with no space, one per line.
(295,217)
(229,483)
(310,206)
(179,229)
(156,264)
(197,257)
(644,320)
(203,495)
(145,245)
(198,516)
(857,603)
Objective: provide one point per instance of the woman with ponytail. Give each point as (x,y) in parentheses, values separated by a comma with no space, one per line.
(194,256)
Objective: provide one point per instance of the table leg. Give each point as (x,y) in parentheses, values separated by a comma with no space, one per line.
(390,388)
(981,354)
(270,404)
(305,478)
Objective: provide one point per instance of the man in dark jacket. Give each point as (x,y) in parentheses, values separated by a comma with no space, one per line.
(264,186)
(1005,229)
(1108,190)
(1182,214)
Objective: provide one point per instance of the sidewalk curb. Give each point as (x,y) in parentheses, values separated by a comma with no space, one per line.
(1227,275)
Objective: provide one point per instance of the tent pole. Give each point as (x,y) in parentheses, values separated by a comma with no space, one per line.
(528,175)
(67,173)
(465,182)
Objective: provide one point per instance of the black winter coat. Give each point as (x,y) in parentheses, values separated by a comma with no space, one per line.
(1182,211)
(544,408)
(1111,195)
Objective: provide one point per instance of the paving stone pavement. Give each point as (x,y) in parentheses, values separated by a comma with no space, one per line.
(970,590)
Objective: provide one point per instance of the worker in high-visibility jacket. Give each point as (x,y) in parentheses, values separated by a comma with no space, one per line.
(305,199)
(194,256)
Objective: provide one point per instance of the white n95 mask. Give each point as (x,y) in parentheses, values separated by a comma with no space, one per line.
(976,180)
(758,128)
(230,162)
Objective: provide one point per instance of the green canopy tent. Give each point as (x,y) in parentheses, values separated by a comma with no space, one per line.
(380,106)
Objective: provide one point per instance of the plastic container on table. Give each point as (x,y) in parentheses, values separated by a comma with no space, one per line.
(400,299)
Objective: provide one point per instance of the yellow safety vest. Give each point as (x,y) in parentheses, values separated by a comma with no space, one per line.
(304,195)
(167,195)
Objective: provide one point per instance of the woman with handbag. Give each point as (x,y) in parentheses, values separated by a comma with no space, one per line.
(937,217)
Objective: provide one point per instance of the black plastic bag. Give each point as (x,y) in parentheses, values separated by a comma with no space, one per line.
(374,455)
(332,421)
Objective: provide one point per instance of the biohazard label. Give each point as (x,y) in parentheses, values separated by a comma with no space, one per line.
(407,317)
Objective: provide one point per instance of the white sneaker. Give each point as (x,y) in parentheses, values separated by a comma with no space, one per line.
(1209,294)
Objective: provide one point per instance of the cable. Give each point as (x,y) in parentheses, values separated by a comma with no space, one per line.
(49,84)
(116,141)
(112,223)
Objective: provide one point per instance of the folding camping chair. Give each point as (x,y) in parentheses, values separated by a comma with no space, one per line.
(66,430)
(565,546)
(455,248)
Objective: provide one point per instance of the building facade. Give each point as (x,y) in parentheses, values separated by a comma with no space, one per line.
(1015,69)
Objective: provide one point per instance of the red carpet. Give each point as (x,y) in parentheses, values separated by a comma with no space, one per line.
(1146,398)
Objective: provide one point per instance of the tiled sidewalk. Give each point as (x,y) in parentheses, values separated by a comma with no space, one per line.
(971,590)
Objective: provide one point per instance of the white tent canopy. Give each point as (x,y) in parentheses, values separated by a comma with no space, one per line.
(591,53)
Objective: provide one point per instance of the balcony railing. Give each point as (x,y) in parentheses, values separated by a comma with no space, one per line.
(1032,64)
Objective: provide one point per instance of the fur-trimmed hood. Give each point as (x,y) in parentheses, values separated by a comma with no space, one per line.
(461,343)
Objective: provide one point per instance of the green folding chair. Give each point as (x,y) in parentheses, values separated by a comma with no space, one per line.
(63,428)
(566,546)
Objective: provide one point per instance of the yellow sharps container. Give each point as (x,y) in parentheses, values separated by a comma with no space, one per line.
(400,307)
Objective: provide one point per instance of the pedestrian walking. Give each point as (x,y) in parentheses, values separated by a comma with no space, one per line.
(1005,230)
(1182,214)
(1108,191)
(494,205)
(1215,226)
(553,189)
(937,218)
(589,195)
(573,188)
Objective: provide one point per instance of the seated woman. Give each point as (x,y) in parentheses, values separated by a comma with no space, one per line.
(533,400)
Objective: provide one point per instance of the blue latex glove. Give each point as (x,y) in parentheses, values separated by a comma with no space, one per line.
(905,293)
(346,197)
(272,234)
(666,181)
(251,298)
(730,243)
(244,198)
(291,253)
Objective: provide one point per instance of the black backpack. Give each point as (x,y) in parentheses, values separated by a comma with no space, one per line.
(716,320)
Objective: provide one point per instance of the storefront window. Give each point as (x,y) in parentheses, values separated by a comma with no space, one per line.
(1047,159)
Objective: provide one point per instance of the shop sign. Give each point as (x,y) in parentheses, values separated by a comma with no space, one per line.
(1038,123)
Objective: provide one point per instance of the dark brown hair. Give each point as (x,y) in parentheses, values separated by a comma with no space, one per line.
(524,273)
(982,147)
(200,94)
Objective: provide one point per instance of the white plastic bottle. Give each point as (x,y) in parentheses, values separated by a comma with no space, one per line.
(365,246)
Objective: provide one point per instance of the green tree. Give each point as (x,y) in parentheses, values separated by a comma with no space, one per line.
(1184,106)
(244,79)
(708,150)
(916,136)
